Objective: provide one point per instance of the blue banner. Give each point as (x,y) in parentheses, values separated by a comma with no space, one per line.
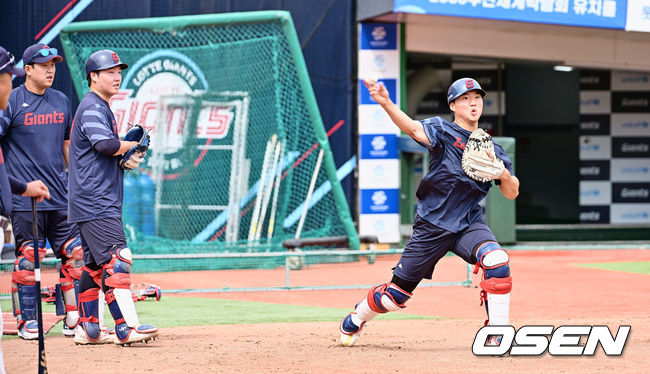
(391,87)
(379,36)
(378,146)
(609,14)
(380,201)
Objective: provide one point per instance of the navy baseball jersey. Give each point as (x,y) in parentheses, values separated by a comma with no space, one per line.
(95,179)
(32,131)
(448,198)
(5,189)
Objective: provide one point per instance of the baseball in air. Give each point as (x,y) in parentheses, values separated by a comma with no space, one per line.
(371,77)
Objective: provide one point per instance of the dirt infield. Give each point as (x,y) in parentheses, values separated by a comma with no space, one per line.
(547,289)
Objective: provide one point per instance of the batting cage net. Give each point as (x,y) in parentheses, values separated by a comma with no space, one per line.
(239,158)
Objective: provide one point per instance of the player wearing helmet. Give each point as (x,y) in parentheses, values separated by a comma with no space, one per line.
(95,204)
(448,216)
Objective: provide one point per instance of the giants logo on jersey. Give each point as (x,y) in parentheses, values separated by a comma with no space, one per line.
(44,119)
(459,143)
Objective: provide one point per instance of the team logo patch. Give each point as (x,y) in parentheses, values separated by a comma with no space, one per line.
(469,83)
(116,58)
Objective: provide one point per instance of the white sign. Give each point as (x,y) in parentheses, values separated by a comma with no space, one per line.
(379,173)
(630,80)
(384,226)
(630,213)
(630,170)
(595,193)
(492,102)
(595,147)
(638,15)
(630,124)
(595,102)
(374,120)
(384,62)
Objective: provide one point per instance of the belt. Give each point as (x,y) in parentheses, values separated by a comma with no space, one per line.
(4,222)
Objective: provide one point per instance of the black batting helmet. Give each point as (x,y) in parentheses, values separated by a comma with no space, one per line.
(102,60)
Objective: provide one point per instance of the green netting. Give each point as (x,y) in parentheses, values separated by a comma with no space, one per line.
(232,112)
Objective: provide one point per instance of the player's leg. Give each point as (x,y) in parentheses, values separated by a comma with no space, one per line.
(66,244)
(384,298)
(105,238)
(423,250)
(23,282)
(478,246)
(117,288)
(497,282)
(89,330)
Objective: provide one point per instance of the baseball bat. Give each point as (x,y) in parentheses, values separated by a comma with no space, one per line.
(268,190)
(274,205)
(270,145)
(42,365)
(310,191)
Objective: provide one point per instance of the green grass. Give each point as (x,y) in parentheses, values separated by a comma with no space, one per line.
(640,267)
(196,311)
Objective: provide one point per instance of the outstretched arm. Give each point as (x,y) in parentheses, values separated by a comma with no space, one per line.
(509,185)
(412,128)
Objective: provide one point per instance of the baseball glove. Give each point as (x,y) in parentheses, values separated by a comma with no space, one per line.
(134,156)
(143,290)
(479,160)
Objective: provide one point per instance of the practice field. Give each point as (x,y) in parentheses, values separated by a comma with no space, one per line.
(297,331)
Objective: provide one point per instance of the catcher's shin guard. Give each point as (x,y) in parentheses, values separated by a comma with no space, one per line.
(497,282)
(387,297)
(23,289)
(89,330)
(383,298)
(68,287)
(117,282)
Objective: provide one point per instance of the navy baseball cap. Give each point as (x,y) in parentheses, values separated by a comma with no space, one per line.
(8,63)
(40,53)
(461,86)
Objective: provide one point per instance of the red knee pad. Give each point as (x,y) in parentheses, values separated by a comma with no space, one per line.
(96,275)
(118,280)
(27,249)
(118,270)
(497,285)
(73,249)
(71,272)
(24,277)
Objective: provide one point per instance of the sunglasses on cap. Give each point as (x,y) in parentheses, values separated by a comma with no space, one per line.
(10,62)
(46,52)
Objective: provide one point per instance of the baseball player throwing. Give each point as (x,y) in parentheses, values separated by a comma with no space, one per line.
(95,204)
(35,132)
(448,217)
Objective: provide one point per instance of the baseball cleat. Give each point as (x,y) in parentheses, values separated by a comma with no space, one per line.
(350,332)
(67,331)
(81,338)
(141,333)
(107,330)
(29,330)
